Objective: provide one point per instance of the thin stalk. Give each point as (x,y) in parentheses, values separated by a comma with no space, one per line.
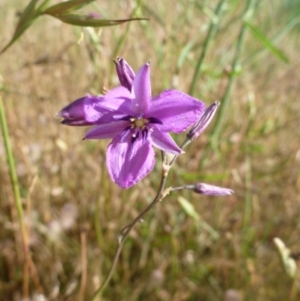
(16,190)
(211,31)
(232,76)
(248,209)
(124,233)
(12,168)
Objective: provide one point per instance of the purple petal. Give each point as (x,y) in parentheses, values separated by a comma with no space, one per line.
(128,162)
(164,142)
(116,103)
(117,99)
(141,94)
(107,130)
(208,189)
(176,110)
(125,73)
(82,111)
(203,121)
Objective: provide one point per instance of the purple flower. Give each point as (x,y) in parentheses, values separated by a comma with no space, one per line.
(134,121)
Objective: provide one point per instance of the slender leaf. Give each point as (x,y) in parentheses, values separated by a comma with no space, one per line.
(184,53)
(19,32)
(85,20)
(67,7)
(191,211)
(259,35)
(27,13)
(28,16)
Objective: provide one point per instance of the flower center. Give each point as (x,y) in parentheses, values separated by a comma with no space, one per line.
(139,123)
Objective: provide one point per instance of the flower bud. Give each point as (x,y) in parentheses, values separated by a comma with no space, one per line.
(203,122)
(208,189)
(125,73)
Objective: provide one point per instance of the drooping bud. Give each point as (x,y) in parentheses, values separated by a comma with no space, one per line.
(125,73)
(203,121)
(208,189)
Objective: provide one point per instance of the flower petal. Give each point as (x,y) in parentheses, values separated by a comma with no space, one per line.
(141,94)
(82,111)
(164,142)
(125,73)
(117,99)
(176,110)
(128,162)
(116,103)
(107,130)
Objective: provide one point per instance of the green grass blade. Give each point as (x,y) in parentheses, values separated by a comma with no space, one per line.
(27,14)
(211,31)
(12,168)
(67,7)
(268,44)
(27,18)
(84,20)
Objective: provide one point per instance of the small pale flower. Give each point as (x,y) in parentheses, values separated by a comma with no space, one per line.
(134,121)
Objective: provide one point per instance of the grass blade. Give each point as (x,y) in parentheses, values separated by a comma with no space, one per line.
(26,19)
(67,7)
(268,44)
(85,20)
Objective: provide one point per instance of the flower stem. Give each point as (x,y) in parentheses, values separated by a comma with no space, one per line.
(124,233)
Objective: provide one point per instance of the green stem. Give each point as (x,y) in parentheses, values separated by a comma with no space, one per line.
(232,76)
(124,233)
(212,29)
(12,170)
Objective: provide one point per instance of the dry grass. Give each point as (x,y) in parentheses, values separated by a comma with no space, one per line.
(74,211)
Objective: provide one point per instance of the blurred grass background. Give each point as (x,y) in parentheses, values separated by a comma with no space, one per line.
(224,250)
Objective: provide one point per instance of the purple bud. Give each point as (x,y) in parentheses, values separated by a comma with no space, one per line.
(81,111)
(203,122)
(94,15)
(208,189)
(125,73)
